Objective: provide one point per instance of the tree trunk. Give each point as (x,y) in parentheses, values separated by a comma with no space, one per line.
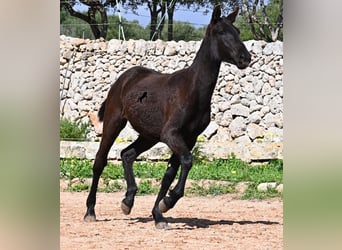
(162,21)
(154,19)
(170,12)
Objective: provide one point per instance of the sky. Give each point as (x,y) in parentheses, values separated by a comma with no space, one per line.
(197,19)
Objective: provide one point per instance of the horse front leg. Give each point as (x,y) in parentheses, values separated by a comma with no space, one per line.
(181,150)
(178,192)
(169,176)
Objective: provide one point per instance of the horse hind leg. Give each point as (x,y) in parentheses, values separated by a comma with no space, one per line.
(111,130)
(128,156)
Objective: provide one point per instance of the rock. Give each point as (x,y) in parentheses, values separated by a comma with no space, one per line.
(170,49)
(210,130)
(272,120)
(88,94)
(223,106)
(160,47)
(237,127)
(257,47)
(279,188)
(265,151)
(114,45)
(242,139)
(266,89)
(254,131)
(263,187)
(140,47)
(276,104)
(226,118)
(276,48)
(239,110)
(241,187)
(98,73)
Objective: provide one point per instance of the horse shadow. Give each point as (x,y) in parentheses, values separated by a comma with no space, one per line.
(194,223)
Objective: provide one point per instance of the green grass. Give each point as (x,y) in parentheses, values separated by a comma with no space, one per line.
(230,170)
(253,193)
(213,189)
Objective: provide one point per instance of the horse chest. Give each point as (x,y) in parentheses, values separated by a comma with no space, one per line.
(199,122)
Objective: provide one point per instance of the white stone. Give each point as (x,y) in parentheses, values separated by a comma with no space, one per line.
(263,187)
(210,130)
(254,131)
(237,127)
(113,45)
(239,110)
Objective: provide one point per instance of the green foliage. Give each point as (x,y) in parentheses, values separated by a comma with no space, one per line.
(197,157)
(245,31)
(185,31)
(253,193)
(272,10)
(113,172)
(75,168)
(213,189)
(231,170)
(111,186)
(73,131)
(132,29)
(78,187)
(75,27)
(145,187)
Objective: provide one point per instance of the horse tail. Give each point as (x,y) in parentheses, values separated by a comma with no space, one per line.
(101,111)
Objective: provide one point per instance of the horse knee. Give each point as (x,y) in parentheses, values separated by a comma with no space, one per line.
(128,156)
(186,161)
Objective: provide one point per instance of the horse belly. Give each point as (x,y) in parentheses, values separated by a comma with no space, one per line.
(144,113)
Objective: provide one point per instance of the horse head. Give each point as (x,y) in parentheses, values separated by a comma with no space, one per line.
(226,44)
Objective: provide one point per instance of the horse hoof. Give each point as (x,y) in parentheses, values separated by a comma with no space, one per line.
(89,218)
(162,225)
(125,209)
(162,207)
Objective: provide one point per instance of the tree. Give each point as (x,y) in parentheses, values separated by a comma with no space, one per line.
(155,7)
(187,32)
(265,22)
(72,26)
(96,15)
(158,9)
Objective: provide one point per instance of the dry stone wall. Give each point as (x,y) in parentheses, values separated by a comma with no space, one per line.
(247,105)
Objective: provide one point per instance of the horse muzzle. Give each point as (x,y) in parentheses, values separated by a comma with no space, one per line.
(244,60)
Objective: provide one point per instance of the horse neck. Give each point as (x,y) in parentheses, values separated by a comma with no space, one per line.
(206,68)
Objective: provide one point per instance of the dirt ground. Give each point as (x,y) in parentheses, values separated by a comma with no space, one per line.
(220,222)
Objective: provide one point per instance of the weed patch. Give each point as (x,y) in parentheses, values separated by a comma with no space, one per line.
(230,170)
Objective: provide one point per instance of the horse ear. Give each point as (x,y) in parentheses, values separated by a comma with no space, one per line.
(216,14)
(232,16)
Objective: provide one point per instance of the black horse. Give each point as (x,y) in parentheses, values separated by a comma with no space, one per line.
(170,108)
